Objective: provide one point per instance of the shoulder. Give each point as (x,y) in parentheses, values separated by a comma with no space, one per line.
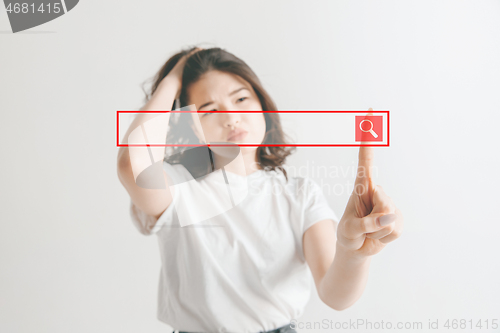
(305,186)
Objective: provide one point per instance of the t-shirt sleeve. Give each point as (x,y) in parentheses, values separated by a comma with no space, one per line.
(149,225)
(316,206)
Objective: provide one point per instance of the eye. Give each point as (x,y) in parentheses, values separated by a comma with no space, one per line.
(242,99)
(208,113)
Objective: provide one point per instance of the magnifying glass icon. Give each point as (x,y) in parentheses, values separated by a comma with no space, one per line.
(370,130)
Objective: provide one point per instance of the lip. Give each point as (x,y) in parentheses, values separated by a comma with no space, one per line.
(237,134)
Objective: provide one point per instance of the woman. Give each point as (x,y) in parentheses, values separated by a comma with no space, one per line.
(236,253)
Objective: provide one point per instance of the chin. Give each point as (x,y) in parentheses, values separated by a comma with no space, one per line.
(248,150)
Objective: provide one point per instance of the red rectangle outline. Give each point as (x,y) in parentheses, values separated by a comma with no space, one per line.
(254,145)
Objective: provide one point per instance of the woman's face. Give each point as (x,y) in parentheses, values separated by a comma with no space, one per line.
(221,91)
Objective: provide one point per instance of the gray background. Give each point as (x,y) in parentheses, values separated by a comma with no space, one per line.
(70,258)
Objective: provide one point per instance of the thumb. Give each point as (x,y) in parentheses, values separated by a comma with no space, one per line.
(383,220)
(374,222)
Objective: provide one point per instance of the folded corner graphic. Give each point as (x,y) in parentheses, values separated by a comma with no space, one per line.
(24,14)
(196,201)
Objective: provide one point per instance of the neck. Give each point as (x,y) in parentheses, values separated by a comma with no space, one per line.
(244,164)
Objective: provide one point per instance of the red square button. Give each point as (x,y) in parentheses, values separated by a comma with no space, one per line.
(369,128)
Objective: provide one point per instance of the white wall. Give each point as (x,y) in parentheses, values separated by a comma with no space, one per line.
(70,258)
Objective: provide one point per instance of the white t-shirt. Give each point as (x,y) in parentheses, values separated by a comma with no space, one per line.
(242,269)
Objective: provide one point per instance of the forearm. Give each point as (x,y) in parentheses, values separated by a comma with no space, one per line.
(162,100)
(345,280)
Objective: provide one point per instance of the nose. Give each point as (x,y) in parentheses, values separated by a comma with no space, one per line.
(231,119)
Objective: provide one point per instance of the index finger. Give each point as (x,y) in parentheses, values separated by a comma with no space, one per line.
(365,160)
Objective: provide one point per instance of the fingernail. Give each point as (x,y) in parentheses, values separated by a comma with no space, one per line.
(387,219)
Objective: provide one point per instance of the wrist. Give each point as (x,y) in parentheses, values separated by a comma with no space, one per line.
(170,83)
(350,255)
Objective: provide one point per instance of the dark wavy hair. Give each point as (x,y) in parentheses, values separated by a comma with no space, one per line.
(199,63)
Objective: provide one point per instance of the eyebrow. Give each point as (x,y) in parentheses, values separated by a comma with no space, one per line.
(211,102)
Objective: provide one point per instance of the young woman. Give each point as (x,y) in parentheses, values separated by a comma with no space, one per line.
(238,238)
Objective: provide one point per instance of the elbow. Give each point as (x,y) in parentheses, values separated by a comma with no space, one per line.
(120,168)
(123,169)
(337,308)
(123,160)
(334,304)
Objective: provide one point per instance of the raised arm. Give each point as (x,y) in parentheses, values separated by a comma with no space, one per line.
(371,220)
(150,128)
(133,160)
